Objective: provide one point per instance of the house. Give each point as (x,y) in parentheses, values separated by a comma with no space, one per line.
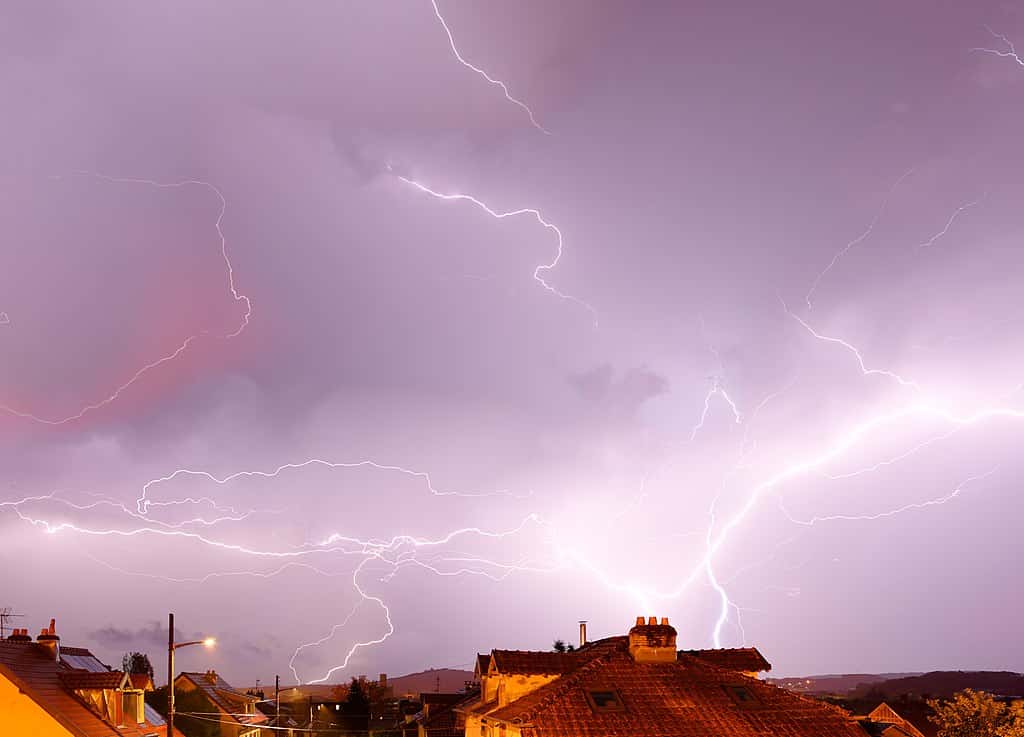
(51,691)
(236,710)
(883,721)
(641,684)
(438,716)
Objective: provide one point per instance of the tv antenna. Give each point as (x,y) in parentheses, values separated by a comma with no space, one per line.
(5,614)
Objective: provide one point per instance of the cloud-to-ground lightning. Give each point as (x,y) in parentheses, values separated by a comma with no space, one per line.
(496,82)
(395,552)
(541,269)
(237,297)
(949,223)
(859,239)
(1010,52)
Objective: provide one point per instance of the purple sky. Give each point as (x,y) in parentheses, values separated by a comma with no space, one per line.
(796,225)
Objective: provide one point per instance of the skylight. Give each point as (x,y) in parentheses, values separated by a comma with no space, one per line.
(601,701)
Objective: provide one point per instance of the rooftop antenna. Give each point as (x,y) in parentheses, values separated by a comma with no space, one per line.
(5,614)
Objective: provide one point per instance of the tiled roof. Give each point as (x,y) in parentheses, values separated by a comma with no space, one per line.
(885,722)
(509,662)
(742,659)
(686,698)
(141,681)
(38,675)
(225,697)
(483,662)
(83,679)
(443,718)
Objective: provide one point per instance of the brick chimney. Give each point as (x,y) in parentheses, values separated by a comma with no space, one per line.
(19,636)
(211,676)
(48,638)
(651,642)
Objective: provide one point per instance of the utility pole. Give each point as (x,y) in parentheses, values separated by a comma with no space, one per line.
(170,674)
(171,647)
(277,701)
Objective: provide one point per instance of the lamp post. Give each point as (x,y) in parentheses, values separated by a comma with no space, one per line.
(171,647)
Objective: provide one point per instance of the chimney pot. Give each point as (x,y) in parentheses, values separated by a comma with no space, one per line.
(48,638)
(664,621)
(652,621)
(639,621)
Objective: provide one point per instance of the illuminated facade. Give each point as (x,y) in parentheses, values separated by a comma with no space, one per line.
(50,691)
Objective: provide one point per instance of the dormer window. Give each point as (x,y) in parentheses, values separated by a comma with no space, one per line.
(602,701)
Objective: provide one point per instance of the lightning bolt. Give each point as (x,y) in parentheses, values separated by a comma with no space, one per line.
(853,350)
(949,223)
(891,512)
(236,295)
(859,239)
(1008,53)
(396,552)
(501,215)
(482,73)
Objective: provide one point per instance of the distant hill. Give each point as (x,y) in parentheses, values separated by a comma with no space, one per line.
(450,680)
(834,683)
(945,683)
(445,680)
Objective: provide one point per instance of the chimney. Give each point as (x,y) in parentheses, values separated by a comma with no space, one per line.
(383,680)
(19,635)
(211,676)
(583,632)
(48,638)
(652,642)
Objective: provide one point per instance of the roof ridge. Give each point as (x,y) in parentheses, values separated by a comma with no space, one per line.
(560,685)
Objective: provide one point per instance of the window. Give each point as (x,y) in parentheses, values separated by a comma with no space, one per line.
(601,701)
(741,695)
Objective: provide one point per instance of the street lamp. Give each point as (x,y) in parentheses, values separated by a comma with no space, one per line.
(171,647)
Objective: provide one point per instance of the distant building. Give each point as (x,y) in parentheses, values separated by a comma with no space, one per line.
(236,710)
(641,684)
(51,691)
(885,722)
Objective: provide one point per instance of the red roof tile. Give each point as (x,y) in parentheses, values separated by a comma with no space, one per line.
(742,659)
(686,698)
(83,679)
(511,662)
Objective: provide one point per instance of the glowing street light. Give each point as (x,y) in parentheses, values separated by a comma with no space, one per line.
(171,647)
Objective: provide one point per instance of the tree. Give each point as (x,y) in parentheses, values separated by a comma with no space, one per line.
(558,646)
(358,702)
(976,714)
(137,663)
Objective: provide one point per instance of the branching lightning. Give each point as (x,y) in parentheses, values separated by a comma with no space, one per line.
(541,269)
(236,295)
(855,351)
(1010,52)
(890,512)
(859,239)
